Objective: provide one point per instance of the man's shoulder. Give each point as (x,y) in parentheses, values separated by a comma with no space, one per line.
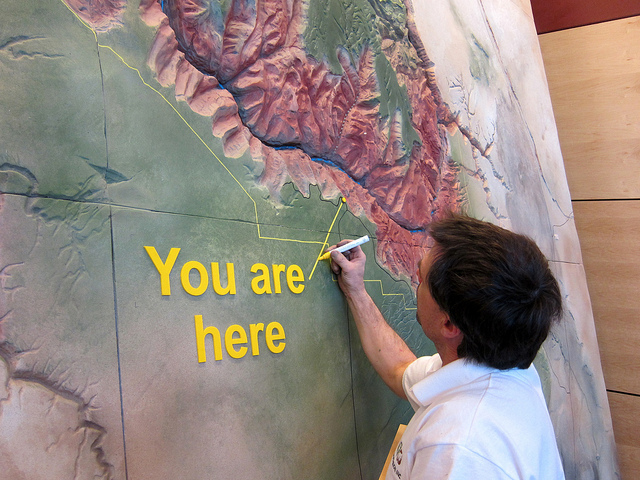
(493,401)
(426,380)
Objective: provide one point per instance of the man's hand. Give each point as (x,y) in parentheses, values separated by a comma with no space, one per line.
(349,268)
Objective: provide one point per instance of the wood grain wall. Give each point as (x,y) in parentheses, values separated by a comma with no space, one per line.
(594,80)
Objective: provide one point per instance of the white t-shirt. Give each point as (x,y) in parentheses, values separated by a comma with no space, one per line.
(475,422)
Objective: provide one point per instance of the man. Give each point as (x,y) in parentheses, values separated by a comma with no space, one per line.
(487,300)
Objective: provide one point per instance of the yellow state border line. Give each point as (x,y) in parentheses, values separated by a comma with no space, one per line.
(404,299)
(379,282)
(255,205)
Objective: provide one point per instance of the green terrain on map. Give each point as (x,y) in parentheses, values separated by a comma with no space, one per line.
(99,161)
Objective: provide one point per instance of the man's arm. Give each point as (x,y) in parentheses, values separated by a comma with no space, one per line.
(386,351)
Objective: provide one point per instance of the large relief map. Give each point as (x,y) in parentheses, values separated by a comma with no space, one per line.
(171,171)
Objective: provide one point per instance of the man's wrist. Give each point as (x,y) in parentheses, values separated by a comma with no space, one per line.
(358,297)
(354,293)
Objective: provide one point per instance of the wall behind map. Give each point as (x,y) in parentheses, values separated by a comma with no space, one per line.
(601,153)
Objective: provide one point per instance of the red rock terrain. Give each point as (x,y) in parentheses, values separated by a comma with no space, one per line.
(251,73)
(100,14)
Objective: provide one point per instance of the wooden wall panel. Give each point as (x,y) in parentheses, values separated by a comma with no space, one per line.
(594,81)
(625,411)
(609,233)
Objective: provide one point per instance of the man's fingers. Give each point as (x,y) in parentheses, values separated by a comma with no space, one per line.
(355,253)
(334,264)
(339,259)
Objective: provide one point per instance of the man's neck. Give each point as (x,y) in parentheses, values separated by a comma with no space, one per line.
(448,353)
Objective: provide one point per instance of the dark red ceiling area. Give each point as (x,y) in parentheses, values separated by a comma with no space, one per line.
(553,15)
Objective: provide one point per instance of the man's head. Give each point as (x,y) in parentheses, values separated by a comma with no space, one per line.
(496,287)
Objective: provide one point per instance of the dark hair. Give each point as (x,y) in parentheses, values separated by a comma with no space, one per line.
(496,287)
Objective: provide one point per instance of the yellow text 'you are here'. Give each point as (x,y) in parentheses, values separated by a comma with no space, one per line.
(265,281)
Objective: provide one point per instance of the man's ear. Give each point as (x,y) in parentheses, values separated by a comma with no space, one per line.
(449,330)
